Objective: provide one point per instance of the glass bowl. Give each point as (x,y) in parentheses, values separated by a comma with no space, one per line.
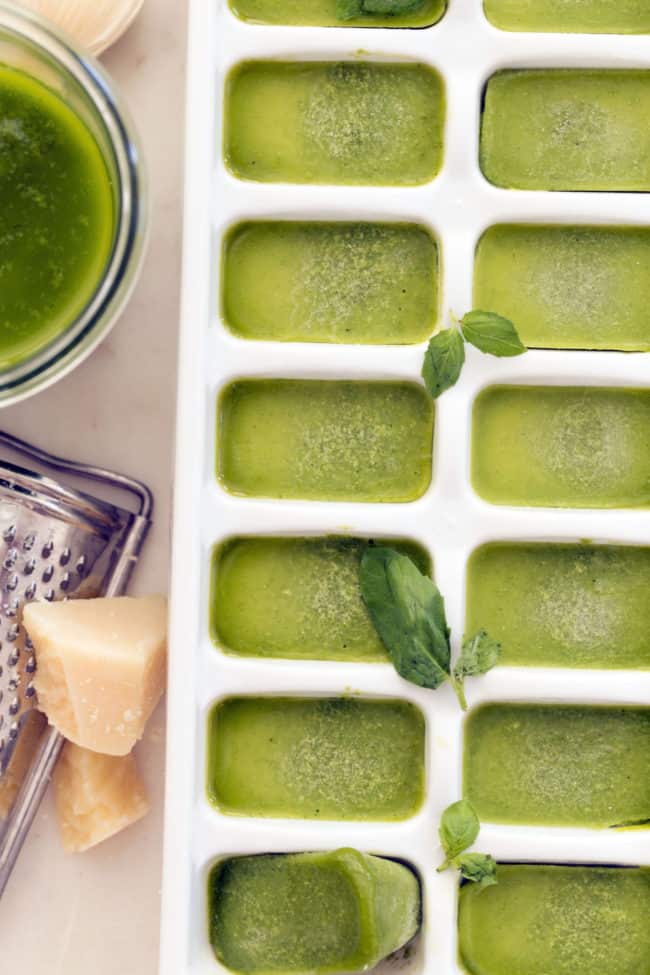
(34,47)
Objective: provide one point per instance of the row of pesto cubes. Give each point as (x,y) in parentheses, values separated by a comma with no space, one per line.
(562,16)
(373,123)
(363,759)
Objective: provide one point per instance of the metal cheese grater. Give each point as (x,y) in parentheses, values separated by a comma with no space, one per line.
(56,541)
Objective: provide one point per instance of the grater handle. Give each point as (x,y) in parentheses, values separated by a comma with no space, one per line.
(40,771)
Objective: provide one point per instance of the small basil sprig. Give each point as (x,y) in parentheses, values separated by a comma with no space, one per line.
(408,613)
(459,828)
(445,355)
(351,9)
(478,655)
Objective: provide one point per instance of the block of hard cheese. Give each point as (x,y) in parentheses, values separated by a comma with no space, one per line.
(100,667)
(96,796)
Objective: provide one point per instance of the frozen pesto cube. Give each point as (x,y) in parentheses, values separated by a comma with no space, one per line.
(349,122)
(333,13)
(558,764)
(325,440)
(310,913)
(297,598)
(567,129)
(345,283)
(570,16)
(316,758)
(568,287)
(564,920)
(562,605)
(562,446)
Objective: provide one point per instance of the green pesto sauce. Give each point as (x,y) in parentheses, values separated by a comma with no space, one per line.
(316,758)
(325,440)
(562,605)
(558,764)
(310,913)
(567,129)
(562,446)
(56,216)
(557,920)
(297,598)
(350,122)
(322,13)
(366,283)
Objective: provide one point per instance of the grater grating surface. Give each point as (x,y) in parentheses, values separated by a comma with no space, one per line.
(56,542)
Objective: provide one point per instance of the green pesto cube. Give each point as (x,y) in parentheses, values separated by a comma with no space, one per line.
(558,764)
(567,129)
(348,122)
(562,446)
(325,440)
(557,920)
(341,13)
(361,283)
(570,16)
(568,287)
(316,758)
(297,598)
(310,913)
(563,605)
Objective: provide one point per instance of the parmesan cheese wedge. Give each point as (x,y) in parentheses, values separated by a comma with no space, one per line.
(100,667)
(96,796)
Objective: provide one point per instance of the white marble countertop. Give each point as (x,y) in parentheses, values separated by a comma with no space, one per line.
(97,913)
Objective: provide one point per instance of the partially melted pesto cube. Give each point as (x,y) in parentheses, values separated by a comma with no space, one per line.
(345,283)
(316,758)
(557,920)
(297,598)
(348,122)
(558,764)
(562,446)
(325,440)
(567,129)
(310,913)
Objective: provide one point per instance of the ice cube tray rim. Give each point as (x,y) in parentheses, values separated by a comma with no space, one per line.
(459,204)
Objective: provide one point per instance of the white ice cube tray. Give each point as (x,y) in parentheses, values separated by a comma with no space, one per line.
(449,520)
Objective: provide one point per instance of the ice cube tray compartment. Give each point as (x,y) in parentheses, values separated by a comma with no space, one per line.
(450,520)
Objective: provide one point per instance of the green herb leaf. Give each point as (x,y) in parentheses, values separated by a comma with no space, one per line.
(459,827)
(443,361)
(491,333)
(478,655)
(390,8)
(408,613)
(480,868)
(348,9)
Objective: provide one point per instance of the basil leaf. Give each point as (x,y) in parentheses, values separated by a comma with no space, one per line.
(459,827)
(480,868)
(443,361)
(408,613)
(491,333)
(390,7)
(478,655)
(348,9)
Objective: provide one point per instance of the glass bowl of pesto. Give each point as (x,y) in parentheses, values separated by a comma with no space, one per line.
(73,210)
